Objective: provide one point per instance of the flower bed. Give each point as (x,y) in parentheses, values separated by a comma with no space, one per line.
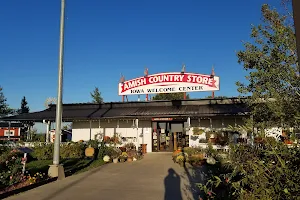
(193,156)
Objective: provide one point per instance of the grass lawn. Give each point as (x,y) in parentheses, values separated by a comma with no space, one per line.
(71,166)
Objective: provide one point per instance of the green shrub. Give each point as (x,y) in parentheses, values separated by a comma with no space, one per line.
(102,150)
(269,171)
(43,152)
(193,150)
(10,168)
(72,150)
(93,143)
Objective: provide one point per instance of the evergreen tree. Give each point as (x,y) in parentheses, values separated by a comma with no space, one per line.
(26,124)
(96,96)
(4,109)
(24,106)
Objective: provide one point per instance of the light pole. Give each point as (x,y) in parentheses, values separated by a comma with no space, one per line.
(57,170)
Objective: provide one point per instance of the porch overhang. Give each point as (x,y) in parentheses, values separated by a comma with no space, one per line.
(129,110)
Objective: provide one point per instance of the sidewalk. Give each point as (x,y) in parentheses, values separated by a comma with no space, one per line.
(152,178)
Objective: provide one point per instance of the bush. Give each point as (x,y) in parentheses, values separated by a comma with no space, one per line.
(43,152)
(102,150)
(269,171)
(192,151)
(10,168)
(67,151)
(72,150)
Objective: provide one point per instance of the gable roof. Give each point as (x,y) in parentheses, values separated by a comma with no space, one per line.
(194,107)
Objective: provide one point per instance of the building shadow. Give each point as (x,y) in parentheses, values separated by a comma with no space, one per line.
(172,186)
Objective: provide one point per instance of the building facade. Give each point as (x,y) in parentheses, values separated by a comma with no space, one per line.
(162,125)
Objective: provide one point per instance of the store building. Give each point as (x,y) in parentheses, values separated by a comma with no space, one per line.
(162,125)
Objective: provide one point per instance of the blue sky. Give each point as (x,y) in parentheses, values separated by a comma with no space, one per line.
(106,38)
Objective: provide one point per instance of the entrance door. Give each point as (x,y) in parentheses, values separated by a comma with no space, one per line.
(163,135)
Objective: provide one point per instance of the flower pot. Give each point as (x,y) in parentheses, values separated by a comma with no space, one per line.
(116,160)
(212,140)
(129,159)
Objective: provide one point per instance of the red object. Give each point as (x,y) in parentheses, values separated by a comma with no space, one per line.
(15,136)
(106,138)
(167,79)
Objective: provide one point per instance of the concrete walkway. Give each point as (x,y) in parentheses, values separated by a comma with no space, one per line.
(151,178)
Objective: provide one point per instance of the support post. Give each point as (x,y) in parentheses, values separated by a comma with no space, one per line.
(9,124)
(183,71)
(175,141)
(57,170)
(48,131)
(90,130)
(137,133)
(146,74)
(213,74)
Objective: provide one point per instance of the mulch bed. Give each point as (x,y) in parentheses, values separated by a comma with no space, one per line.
(22,187)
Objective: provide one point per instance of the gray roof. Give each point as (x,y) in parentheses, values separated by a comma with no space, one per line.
(197,108)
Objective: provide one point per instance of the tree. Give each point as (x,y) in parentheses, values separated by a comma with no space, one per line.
(96,96)
(49,101)
(4,108)
(170,96)
(26,124)
(273,79)
(24,106)
(217,97)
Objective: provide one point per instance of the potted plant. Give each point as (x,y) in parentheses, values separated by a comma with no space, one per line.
(131,154)
(210,136)
(123,157)
(130,146)
(197,131)
(115,154)
(115,139)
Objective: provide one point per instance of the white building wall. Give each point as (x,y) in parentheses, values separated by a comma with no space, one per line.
(207,124)
(81,131)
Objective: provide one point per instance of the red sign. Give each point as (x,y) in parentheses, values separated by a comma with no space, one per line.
(168,83)
(162,119)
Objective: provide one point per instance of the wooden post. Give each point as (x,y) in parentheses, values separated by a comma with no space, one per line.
(122,80)
(146,74)
(212,74)
(175,141)
(183,71)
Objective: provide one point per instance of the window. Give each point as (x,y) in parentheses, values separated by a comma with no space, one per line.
(6,132)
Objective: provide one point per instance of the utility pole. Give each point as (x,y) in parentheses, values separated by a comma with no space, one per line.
(57,170)
(296,13)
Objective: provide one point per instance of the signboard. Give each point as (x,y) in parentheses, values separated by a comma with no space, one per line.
(170,83)
(162,119)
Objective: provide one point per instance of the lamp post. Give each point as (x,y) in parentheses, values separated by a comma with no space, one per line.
(296,13)
(57,170)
